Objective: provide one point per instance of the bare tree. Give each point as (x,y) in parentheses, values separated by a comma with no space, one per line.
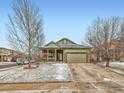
(25,28)
(101,35)
(121,43)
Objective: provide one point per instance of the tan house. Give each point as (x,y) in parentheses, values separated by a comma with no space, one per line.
(8,54)
(66,51)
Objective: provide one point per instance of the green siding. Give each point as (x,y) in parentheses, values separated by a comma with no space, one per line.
(83,55)
(82,58)
(65,41)
(52,44)
(76,50)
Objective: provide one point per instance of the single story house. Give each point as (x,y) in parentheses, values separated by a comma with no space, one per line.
(66,51)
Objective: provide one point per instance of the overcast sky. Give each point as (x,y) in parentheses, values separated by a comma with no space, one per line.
(65,18)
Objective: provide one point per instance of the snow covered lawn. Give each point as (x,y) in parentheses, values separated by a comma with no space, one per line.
(44,73)
(117,67)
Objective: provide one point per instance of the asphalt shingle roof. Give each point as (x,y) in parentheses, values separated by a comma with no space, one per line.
(66,46)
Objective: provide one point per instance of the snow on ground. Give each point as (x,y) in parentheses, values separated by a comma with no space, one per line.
(117,64)
(117,67)
(44,73)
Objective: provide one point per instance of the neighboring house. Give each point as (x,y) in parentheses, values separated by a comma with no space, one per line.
(116,53)
(8,55)
(66,51)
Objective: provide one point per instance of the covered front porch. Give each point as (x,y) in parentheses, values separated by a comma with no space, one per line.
(52,55)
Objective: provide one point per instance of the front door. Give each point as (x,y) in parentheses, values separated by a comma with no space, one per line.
(59,55)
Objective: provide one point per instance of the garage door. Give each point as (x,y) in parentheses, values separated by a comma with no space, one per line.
(77,57)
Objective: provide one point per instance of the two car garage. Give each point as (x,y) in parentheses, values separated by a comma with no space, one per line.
(76,57)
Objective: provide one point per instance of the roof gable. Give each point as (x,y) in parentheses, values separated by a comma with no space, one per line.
(51,44)
(65,41)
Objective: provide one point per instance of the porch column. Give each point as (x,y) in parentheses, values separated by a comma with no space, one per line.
(2,58)
(55,55)
(47,55)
